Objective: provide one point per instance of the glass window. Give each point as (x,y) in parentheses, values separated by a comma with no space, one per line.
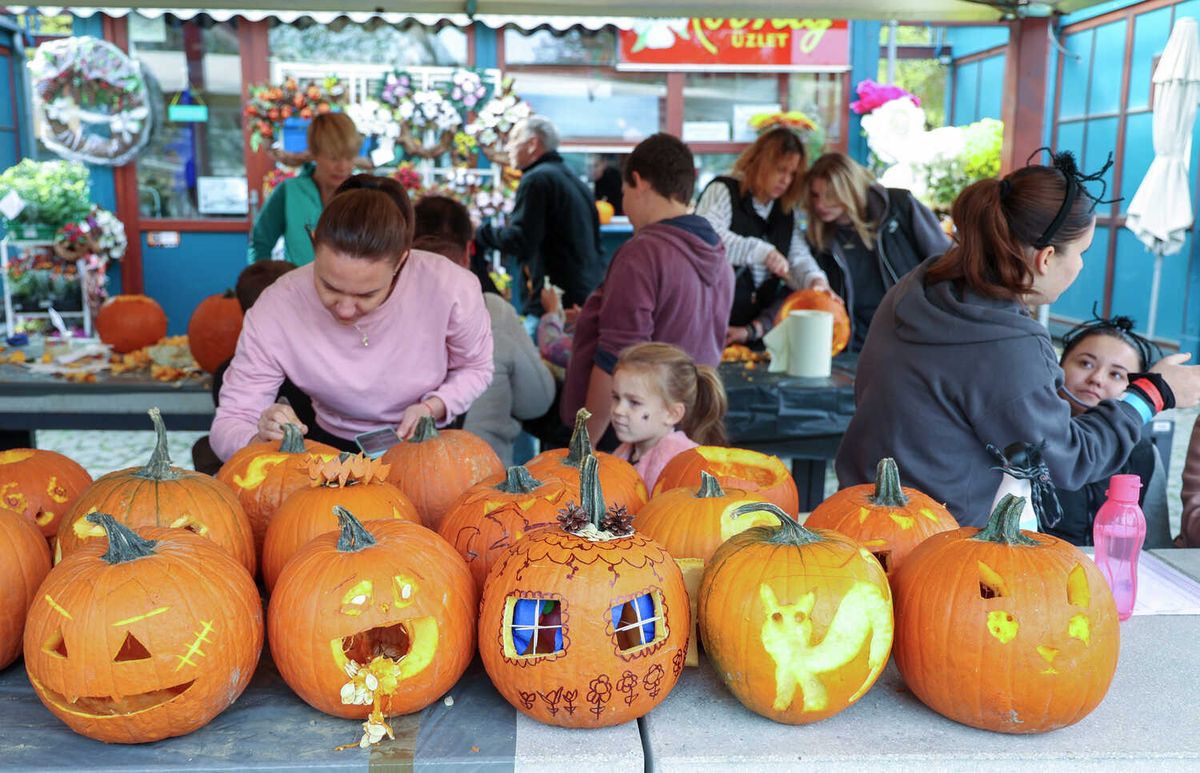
(710,165)
(192,168)
(819,95)
(596,103)
(375,42)
(573,47)
(718,107)
(535,627)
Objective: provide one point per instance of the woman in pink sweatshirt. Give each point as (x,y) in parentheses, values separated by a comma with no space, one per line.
(376,333)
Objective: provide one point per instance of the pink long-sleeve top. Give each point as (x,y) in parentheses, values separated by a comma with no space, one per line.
(432,337)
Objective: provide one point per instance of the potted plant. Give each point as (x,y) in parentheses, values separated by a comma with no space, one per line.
(55,193)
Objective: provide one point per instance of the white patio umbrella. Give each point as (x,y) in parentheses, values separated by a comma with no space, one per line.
(1161,211)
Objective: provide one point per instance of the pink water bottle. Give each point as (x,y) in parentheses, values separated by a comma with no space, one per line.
(1119,531)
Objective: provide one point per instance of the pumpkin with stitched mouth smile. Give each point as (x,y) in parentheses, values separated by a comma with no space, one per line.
(146,638)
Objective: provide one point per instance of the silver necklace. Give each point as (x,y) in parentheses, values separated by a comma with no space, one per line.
(361,332)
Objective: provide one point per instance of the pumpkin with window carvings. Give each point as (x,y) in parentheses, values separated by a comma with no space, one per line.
(129,322)
(355,482)
(159,494)
(1003,629)
(136,638)
(820,300)
(764,476)
(40,485)
(24,562)
(620,480)
(585,625)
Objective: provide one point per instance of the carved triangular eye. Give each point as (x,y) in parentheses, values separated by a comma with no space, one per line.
(132,649)
(56,644)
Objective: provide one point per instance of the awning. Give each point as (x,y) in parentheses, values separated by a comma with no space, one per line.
(564,14)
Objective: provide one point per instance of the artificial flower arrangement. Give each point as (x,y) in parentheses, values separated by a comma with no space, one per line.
(496,120)
(809,131)
(96,240)
(872,95)
(270,106)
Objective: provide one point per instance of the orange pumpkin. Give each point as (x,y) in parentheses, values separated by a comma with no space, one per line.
(144,638)
(24,562)
(1004,629)
(497,512)
(160,495)
(820,300)
(797,623)
(40,485)
(434,468)
(129,322)
(214,329)
(387,599)
(622,483)
(263,475)
(765,477)
(605,211)
(585,625)
(354,482)
(883,517)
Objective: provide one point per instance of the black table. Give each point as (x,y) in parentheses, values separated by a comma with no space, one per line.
(801,419)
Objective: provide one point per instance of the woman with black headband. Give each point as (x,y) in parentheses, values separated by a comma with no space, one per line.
(954,361)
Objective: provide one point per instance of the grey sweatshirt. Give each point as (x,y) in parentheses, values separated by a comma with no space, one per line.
(943,373)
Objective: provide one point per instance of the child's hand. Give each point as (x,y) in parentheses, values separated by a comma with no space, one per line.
(550,301)
(571,314)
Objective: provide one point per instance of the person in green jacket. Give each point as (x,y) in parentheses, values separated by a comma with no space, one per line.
(295,205)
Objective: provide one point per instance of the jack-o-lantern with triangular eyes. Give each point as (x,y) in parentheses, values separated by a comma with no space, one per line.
(144,637)
(585,625)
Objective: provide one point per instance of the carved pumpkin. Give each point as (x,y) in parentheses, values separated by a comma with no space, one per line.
(1004,629)
(883,517)
(40,485)
(24,562)
(263,475)
(357,483)
(766,477)
(147,639)
(129,322)
(386,599)
(497,512)
(434,468)
(160,495)
(620,480)
(213,330)
(820,300)
(797,623)
(585,625)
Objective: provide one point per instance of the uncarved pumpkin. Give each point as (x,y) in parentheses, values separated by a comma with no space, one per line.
(434,467)
(40,485)
(213,330)
(160,495)
(129,322)
(24,562)
(820,300)
(885,518)
(797,623)
(622,483)
(139,638)
(1003,629)
(766,477)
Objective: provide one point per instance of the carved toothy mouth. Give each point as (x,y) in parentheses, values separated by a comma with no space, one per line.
(103,706)
(410,646)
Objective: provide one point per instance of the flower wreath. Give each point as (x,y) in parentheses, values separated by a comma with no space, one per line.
(95,240)
(423,112)
(270,106)
(96,102)
(495,121)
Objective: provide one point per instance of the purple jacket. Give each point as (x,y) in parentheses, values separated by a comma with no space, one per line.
(669,283)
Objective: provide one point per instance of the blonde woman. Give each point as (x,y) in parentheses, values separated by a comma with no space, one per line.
(865,236)
(755,213)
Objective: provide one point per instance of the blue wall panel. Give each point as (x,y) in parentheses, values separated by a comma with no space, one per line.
(1101,141)
(1132,279)
(181,277)
(991,87)
(1150,33)
(1075,69)
(1088,287)
(965,41)
(1106,75)
(966,93)
(1070,137)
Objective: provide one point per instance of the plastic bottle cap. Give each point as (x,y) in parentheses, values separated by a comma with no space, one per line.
(1124,487)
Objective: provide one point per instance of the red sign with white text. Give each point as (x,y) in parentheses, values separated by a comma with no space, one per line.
(736,44)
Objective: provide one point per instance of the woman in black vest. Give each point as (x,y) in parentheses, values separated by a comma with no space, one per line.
(754,211)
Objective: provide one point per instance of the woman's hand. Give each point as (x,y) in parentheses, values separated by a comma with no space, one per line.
(736,335)
(270,423)
(820,283)
(1184,380)
(431,406)
(777,264)
(550,301)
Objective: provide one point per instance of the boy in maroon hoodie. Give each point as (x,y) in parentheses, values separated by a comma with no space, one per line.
(669,283)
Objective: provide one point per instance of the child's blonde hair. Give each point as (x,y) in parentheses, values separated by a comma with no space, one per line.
(680,380)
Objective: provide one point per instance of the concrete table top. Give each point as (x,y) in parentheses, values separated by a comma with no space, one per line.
(1186,561)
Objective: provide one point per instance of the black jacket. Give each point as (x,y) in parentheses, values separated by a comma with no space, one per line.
(554,230)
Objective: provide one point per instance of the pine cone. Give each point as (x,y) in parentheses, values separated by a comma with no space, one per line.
(573,517)
(618,521)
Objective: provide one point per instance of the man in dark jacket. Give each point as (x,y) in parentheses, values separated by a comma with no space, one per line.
(554,229)
(669,283)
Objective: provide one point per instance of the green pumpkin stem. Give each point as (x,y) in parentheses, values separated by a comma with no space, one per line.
(788,533)
(159,467)
(354,536)
(710,487)
(124,544)
(517,480)
(888,492)
(293,441)
(581,441)
(229,293)
(589,490)
(1004,525)
(426,430)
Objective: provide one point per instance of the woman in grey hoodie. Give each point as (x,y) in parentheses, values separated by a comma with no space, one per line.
(954,361)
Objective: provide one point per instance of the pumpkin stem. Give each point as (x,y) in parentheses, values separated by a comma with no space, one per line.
(293,441)
(710,487)
(518,481)
(589,490)
(888,492)
(426,430)
(124,544)
(581,441)
(229,293)
(788,533)
(354,536)
(159,467)
(1004,525)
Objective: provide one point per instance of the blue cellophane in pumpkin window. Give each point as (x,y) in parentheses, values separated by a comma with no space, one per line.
(535,622)
(625,617)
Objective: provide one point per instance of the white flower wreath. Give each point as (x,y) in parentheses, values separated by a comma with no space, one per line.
(428,109)
(497,118)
